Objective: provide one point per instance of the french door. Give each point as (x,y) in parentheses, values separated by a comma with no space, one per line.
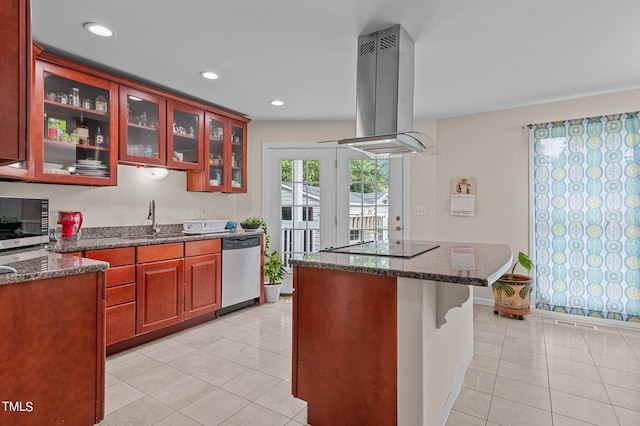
(320,197)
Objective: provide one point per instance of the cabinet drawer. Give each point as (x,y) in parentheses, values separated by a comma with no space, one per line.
(120,275)
(121,322)
(121,294)
(159,252)
(197,248)
(115,256)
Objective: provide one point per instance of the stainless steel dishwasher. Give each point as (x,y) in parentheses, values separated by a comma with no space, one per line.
(240,272)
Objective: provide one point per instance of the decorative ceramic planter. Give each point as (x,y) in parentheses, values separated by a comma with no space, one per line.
(512,295)
(272,292)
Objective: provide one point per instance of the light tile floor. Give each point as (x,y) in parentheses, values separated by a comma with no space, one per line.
(236,370)
(537,372)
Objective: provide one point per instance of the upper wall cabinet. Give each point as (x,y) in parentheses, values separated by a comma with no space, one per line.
(74,127)
(238,157)
(15,48)
(225,157)
(184,136)
(21,170)
(157,131)
(142,127)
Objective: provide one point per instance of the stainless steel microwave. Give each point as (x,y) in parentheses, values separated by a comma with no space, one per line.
(23,222)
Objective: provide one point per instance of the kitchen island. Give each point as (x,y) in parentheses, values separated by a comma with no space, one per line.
(52,355)
(383,340)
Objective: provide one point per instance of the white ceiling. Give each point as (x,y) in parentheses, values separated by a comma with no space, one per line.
(471,55)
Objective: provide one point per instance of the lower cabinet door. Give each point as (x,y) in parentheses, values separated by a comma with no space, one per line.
(202,284)
(159,294)
(121,322)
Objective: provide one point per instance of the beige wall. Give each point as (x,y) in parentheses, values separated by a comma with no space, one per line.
(493,148)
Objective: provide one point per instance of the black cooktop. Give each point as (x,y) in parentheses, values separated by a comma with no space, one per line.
(398,248)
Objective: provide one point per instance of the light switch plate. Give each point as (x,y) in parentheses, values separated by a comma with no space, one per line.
(419,211)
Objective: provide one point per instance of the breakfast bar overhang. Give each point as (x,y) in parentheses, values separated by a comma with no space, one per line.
(383,340)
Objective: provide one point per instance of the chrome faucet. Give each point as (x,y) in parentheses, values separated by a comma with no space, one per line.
(155,228)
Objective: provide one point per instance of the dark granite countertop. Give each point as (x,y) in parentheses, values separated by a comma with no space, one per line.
(461,263)
(127,236)
(39,264)
(53,261)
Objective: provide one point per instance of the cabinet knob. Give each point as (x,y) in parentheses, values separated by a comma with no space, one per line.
(398,228)
(397,217)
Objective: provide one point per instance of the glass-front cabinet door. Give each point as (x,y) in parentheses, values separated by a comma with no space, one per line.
(237,157)
(184,130)
(215,177)
(142,127)
(74,135)
(225,166)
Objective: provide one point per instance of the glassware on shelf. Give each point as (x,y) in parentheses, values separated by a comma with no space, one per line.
(99,138)
(74,136)
(83,133)
(101,103)
(74,97)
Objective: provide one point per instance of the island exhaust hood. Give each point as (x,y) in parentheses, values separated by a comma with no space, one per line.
(384,96)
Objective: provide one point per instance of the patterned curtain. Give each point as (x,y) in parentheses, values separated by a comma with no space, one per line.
(587,216)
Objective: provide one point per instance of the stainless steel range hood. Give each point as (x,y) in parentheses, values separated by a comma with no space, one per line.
(384,95)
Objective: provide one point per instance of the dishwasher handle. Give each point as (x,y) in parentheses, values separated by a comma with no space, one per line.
(235,243)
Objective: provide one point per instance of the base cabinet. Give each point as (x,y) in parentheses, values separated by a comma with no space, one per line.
(156,288)
(120,293)
(203,273)
(52,351)
(159,286)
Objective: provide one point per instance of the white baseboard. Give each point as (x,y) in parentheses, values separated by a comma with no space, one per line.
(579,318)
(482,301)
(454,392)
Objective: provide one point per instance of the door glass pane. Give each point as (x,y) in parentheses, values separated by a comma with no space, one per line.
(76,128)
(185,136)
(300,207)
(143,138)
(216,136)
(368,200)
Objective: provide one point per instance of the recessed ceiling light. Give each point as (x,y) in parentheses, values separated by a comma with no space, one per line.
(99,29)
(276,102)
(209,75)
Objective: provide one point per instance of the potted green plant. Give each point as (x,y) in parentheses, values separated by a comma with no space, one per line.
(512,292)
(274,271)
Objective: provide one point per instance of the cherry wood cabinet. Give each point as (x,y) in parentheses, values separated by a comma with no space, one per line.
(159,286)
(52,352)
(185,125)
(225,157)
(116,120)
(20,170)
(238,157)
(73,127)
(120,292)
(203,274)
(143,121)
(345,346)
(15,51)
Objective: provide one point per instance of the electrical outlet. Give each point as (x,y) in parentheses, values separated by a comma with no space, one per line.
(419,211)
